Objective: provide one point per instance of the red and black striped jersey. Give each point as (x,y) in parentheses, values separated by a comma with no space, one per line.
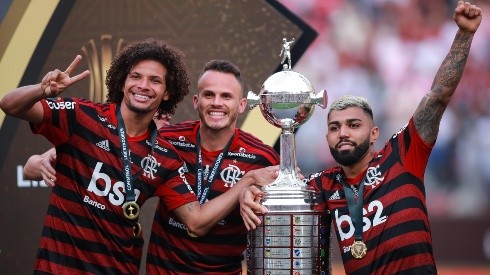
(395,223)
(171,250)
(85,230)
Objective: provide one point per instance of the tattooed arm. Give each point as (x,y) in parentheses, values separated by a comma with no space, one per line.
(429,113)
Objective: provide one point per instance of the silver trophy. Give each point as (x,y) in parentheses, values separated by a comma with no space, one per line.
(294,237)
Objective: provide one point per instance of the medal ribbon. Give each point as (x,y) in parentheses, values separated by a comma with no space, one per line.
(355,208)
(203,194)
(128,178)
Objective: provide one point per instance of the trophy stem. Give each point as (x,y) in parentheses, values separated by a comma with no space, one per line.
(287,154)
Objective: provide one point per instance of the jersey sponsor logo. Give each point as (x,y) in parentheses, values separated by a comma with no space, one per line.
(103,119)
(150,165)
(181,144)
(242,154)
(334,196)
(115,192)
(231,175)
(182,171)
(104,144)
(163,149)
(89,201)
(177,224)
(347,232)
(53,105)
(399,131)
(373,177)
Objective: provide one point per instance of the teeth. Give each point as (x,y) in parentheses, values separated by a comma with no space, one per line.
(141,96)
(216,113)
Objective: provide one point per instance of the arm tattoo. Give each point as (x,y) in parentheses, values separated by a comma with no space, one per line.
(429,113)
(184,212)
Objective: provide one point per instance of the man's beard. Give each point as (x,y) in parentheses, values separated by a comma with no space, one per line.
(138,110)
(348,158)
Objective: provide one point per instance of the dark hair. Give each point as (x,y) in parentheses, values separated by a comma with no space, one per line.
(223,66)
(176,81)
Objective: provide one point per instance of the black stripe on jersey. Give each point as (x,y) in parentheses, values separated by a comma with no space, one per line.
(75,263)
(85,222)
(210,238)
(168,265)
(254,142)
(72,118)
(424,269)
(86,245)
(222,261)
(397,182)
(410,250)
(406,138)
(179,127)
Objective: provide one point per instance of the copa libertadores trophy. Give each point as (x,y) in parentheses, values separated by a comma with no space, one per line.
(294,237)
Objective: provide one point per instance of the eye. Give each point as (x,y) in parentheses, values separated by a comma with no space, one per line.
(333,128)
(207,95)
(134,76)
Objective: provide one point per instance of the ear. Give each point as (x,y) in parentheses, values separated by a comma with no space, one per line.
(166,95)
(373,137)
(242,105)
(195,101)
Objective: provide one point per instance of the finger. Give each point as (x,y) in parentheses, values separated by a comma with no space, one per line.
(73,64)
(245,222)
(256,192)
(49,164)
(49,172)
(467,7)
(460,7)
(49,182)
(251,219)
(80,76)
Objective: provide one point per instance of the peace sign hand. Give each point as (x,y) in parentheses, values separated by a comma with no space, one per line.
(55,82)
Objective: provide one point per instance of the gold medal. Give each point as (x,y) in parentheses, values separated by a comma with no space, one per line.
(190,234)
(358,249)
(131,210)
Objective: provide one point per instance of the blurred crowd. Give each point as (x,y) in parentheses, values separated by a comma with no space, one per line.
(389,51)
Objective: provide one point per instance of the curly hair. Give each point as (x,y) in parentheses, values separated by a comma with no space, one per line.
(176,81)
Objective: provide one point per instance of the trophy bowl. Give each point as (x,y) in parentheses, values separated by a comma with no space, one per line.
(287,99)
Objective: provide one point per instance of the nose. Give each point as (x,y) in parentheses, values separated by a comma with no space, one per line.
(144,83)
(217,101)
(343,131)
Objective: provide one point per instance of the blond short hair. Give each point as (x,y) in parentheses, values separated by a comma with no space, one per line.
(348,101)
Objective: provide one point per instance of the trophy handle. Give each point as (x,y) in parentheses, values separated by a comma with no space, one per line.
(253,100)
(320,99)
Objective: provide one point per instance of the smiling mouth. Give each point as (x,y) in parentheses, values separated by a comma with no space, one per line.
(141,97)
(216,114)
(345,145)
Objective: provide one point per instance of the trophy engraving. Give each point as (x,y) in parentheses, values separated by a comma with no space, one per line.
(294,236)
